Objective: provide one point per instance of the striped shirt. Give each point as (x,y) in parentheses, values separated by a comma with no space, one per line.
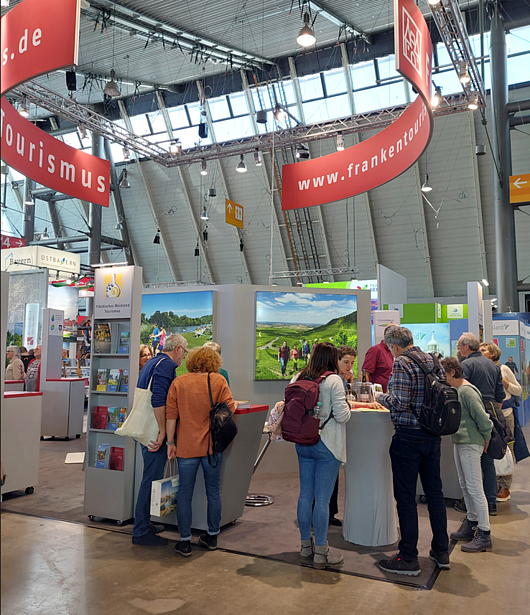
(406,389)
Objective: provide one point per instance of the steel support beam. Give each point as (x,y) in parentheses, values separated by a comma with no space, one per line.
(29,212)
(421,211)
(185,191)
(125,117)
(211,129)
(505,255)
(54,217)
(347,27)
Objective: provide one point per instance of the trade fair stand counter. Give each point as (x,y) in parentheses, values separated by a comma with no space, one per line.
(63,408)
(236,471)
(13,385)
(21,423)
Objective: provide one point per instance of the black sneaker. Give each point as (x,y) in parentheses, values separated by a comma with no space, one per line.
(460,506)
(149,540)
(492,509)
(398,565)
(440,559)
(156,528)
(208,542)
(183,547)
(335,521)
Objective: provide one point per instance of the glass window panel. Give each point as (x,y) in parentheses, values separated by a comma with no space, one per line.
(443,55)
(316,111)
(140,125)
(7,229)
(379,98)
(72,139)
(178,118)
(519,40)
(363,75)
(518,69)
(311,87)
(233,129)
(157,121)
(448,81)
(288,89)
(239,103)
(117,152)
(219,108)
(387,68)
(195,113)
(265,101)
(335,81)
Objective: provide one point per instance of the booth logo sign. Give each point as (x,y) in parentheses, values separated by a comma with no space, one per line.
(113,286)
(411,42)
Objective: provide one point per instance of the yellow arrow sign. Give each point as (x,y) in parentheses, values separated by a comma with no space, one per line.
(520,188)
(234,213)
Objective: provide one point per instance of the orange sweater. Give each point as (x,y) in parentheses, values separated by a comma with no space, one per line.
(189,403)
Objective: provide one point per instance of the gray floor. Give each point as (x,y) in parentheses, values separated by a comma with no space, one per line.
(55,567)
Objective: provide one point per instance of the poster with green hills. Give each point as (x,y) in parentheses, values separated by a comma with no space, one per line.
(297,317)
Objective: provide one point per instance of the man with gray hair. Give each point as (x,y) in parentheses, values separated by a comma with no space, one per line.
(413,452)
(162,370)
(487,377)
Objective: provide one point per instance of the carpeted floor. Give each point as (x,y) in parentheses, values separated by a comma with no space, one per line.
(270,532)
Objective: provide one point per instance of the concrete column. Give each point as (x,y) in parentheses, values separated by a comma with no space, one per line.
(505,246)
(94,222)
(29,212)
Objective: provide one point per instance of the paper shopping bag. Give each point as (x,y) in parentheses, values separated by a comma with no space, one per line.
(164,491)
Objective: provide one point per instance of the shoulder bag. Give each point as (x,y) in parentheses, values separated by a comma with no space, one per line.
(223,428)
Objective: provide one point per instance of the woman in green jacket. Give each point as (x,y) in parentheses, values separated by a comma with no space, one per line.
(470,441)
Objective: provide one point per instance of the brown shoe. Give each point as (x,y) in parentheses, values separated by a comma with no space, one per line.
(503,495)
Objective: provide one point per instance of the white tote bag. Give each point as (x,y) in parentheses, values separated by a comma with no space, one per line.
(140,423)
(506,465)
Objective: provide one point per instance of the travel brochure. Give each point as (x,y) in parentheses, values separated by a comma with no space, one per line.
(108,418)
(108,339)
(110,457)
(112,380)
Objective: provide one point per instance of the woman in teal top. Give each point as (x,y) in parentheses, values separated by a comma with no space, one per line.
(470,441)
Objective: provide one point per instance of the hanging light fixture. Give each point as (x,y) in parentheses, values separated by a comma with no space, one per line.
(241,166)
(204,215)
(473,102)
(126,153)
(197,249)
(45,234)
(111,89)
(205,233)
(124,182)
(437,97)
(302,152)
(175,147)
(257,158)
(24,107)
(157,237)
(463,75)
(279,113)
(204,169)
(29,200)
(241,245)
(261,116)
(426,187)
(306,37)
(119,226)
(340,143)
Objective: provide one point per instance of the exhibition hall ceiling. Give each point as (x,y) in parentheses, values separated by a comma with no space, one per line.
(438,246)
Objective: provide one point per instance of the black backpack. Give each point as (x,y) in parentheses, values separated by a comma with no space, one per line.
(223,428)
(440,414)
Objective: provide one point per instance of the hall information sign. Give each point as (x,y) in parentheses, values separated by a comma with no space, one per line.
(520,188)
(234,213)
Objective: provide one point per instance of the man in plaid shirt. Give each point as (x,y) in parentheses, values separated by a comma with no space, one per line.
(413,452)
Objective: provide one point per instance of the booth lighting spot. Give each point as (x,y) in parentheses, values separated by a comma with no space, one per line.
(485,282)
(306,37)
(433,2)
(302,152)
(257,158)
(204,215)
(480,149)
(279,113)
(437,97)
(126,153)
(29,200)
(175,147)
(124,182)
(340,143)
(204,169)
(157,237)
(473,102)
(71,80)
(241,166)
(426,186)
(45,234)
(463,75)
(111,88)
(24,107)
(119,226)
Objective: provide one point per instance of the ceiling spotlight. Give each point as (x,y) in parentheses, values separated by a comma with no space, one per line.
(473,102)
(82,131)
(340,143)
(212,192)
(124,182)
(119,226)
(306,37)
(71,80)
(45,234)
(111,89)
(175,147)
(204,215)
(126,153)
(279,113)
(241,166)
(205,233)
(204,170)
(29,200)
(157,237)
(426,187)
(241,246)
(197,249)
(463,75)
(257,158)
(480,149)
(485,282)
(302,152)
(24,107)
(261,116)
(433,2)
(437,97)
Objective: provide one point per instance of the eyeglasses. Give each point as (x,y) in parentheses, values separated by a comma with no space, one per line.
(185,349)
(145,356)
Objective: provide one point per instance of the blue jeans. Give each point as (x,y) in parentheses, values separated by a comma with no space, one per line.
(283,365)
(413,452)
(318,473)
(212,480)
(489,478)
(154,464)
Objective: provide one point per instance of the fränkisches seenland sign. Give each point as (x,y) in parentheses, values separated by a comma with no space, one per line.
(38,37)
(388,153)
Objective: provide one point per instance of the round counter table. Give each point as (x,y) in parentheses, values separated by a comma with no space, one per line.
(369,509)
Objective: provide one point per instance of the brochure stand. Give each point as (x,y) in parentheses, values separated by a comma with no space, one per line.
(110,459)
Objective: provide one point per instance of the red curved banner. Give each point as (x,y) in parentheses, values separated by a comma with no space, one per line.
(388,153)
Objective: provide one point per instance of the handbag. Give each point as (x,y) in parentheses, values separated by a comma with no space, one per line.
(498,444)
(164,491)
(223,428)
(141,423)
(506,465)
(520,448)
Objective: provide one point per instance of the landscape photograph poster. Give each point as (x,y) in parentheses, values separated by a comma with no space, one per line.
(432,337)
(289,325)
(187,313)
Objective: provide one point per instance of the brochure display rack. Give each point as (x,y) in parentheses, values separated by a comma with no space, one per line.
(110,459)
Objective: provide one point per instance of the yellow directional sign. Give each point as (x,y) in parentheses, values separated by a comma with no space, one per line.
(234,214)
(520,188)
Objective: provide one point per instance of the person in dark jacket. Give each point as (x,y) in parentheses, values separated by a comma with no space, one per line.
(486,376)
